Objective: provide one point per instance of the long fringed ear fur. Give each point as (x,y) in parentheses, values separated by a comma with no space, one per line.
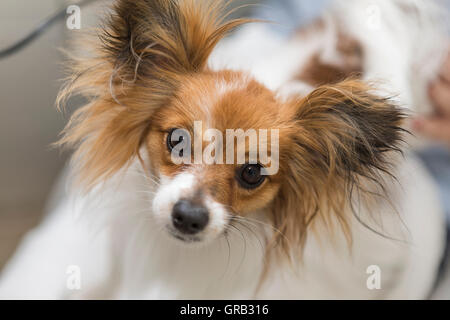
(132,69)
(342,138)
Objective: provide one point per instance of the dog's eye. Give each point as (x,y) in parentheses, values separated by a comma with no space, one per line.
(175,137)
(249,176)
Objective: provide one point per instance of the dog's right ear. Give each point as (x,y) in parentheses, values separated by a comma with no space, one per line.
(134,66)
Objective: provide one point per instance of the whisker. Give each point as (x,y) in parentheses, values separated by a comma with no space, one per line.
(261,246)
(245,246)
(253,221)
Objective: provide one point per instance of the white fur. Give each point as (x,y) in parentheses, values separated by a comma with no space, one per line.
(124,250)
(135,258)
(184,186)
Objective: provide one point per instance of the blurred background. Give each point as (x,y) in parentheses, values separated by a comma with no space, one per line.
(29,122)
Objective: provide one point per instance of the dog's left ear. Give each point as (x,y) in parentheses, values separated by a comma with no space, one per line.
(340,135)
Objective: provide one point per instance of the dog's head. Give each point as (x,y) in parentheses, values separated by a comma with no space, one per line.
(220,145)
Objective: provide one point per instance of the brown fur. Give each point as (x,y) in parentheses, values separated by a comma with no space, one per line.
(148,75)
(198,92)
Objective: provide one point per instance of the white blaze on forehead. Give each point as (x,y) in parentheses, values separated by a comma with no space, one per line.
(210,98)
(223,87)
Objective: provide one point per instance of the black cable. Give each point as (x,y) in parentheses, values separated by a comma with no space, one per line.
(19,45)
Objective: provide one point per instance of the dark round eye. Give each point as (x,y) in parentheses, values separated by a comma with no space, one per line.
(172,141)
(249,176)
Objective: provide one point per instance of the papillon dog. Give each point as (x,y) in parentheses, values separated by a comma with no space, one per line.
(247,167)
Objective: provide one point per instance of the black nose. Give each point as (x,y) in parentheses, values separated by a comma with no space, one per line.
(189,218)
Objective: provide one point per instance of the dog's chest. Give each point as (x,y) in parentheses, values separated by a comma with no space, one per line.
(156,267)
